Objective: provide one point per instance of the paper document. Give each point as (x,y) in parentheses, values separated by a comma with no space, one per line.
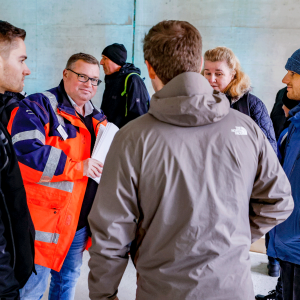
(104,139)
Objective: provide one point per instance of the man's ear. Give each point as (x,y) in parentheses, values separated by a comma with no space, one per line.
(65,73)
(151,72)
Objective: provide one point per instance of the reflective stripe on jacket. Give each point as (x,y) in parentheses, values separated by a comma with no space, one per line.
(51,143)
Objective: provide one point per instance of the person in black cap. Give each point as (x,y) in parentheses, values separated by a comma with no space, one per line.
(125,97)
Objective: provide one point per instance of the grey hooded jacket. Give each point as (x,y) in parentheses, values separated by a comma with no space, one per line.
(191,184)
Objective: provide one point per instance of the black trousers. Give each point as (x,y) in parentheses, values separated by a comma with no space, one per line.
(279,288)
(290,277)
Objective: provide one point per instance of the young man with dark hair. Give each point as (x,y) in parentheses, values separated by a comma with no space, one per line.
(125,96)
(14,69)
(54,133)
(189,186)
(16,228)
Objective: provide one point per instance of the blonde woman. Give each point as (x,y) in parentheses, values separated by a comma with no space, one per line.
(223,71)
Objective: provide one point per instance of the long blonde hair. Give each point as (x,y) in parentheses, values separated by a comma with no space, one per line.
(240,84)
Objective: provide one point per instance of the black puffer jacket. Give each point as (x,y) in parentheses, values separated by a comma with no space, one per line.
(259,114)
(16,227)
(114,105)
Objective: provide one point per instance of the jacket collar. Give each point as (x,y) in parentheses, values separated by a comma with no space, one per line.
(63,100)
(295,115)
(88,107)
(5,98)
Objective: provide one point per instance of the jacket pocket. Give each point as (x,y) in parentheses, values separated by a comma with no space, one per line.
(49,195)
(45,221)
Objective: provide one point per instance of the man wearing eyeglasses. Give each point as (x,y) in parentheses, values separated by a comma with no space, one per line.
(53,134)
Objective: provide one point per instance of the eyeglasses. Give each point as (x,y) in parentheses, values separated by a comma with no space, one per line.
(85,78)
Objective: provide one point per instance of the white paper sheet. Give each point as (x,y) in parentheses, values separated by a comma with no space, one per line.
(104,139)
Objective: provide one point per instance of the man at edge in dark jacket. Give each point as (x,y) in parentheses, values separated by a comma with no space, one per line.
(16,228)
(125,97)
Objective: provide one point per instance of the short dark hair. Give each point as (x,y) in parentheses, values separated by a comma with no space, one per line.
(173,47)
(8,33)
(90,59)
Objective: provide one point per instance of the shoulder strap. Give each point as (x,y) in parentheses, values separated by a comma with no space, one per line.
(125,89)
(125,85)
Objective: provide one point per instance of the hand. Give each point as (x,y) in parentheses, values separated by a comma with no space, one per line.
(92,167)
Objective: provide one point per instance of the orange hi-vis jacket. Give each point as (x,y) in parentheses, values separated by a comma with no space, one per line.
(51,143)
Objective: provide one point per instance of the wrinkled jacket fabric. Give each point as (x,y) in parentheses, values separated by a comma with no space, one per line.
(190,184)
(284,241)
(259,114)
(16,228)
(51,143)
(114,105)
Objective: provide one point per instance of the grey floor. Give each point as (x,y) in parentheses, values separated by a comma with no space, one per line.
(262,283)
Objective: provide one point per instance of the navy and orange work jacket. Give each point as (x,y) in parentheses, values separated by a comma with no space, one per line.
(51,143)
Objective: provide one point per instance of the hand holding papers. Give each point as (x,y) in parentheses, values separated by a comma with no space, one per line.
(103,141)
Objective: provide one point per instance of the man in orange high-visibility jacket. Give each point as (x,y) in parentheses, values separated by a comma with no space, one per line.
(53,134)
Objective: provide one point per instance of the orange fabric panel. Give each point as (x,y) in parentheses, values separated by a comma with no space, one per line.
(75,121)
(12,116)
(62,220)
(89,243)
(29,174)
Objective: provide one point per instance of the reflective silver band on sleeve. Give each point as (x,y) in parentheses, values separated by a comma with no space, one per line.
(51,164)
(47,237)
(66,186)
(28,135)
(54,103)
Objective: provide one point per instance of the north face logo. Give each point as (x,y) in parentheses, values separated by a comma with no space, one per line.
(239,130)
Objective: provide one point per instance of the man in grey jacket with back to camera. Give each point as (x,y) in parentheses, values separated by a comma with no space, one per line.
(189,185)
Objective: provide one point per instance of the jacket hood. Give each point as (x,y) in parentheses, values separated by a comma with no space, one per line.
(126,69)
(129,68)
(189,100)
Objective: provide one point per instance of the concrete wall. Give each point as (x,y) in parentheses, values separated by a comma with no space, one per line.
(57,29)
(263,33)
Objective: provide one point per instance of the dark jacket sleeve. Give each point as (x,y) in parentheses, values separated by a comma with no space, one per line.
(138,97)
(260,116)
(271,200)
(9,286)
